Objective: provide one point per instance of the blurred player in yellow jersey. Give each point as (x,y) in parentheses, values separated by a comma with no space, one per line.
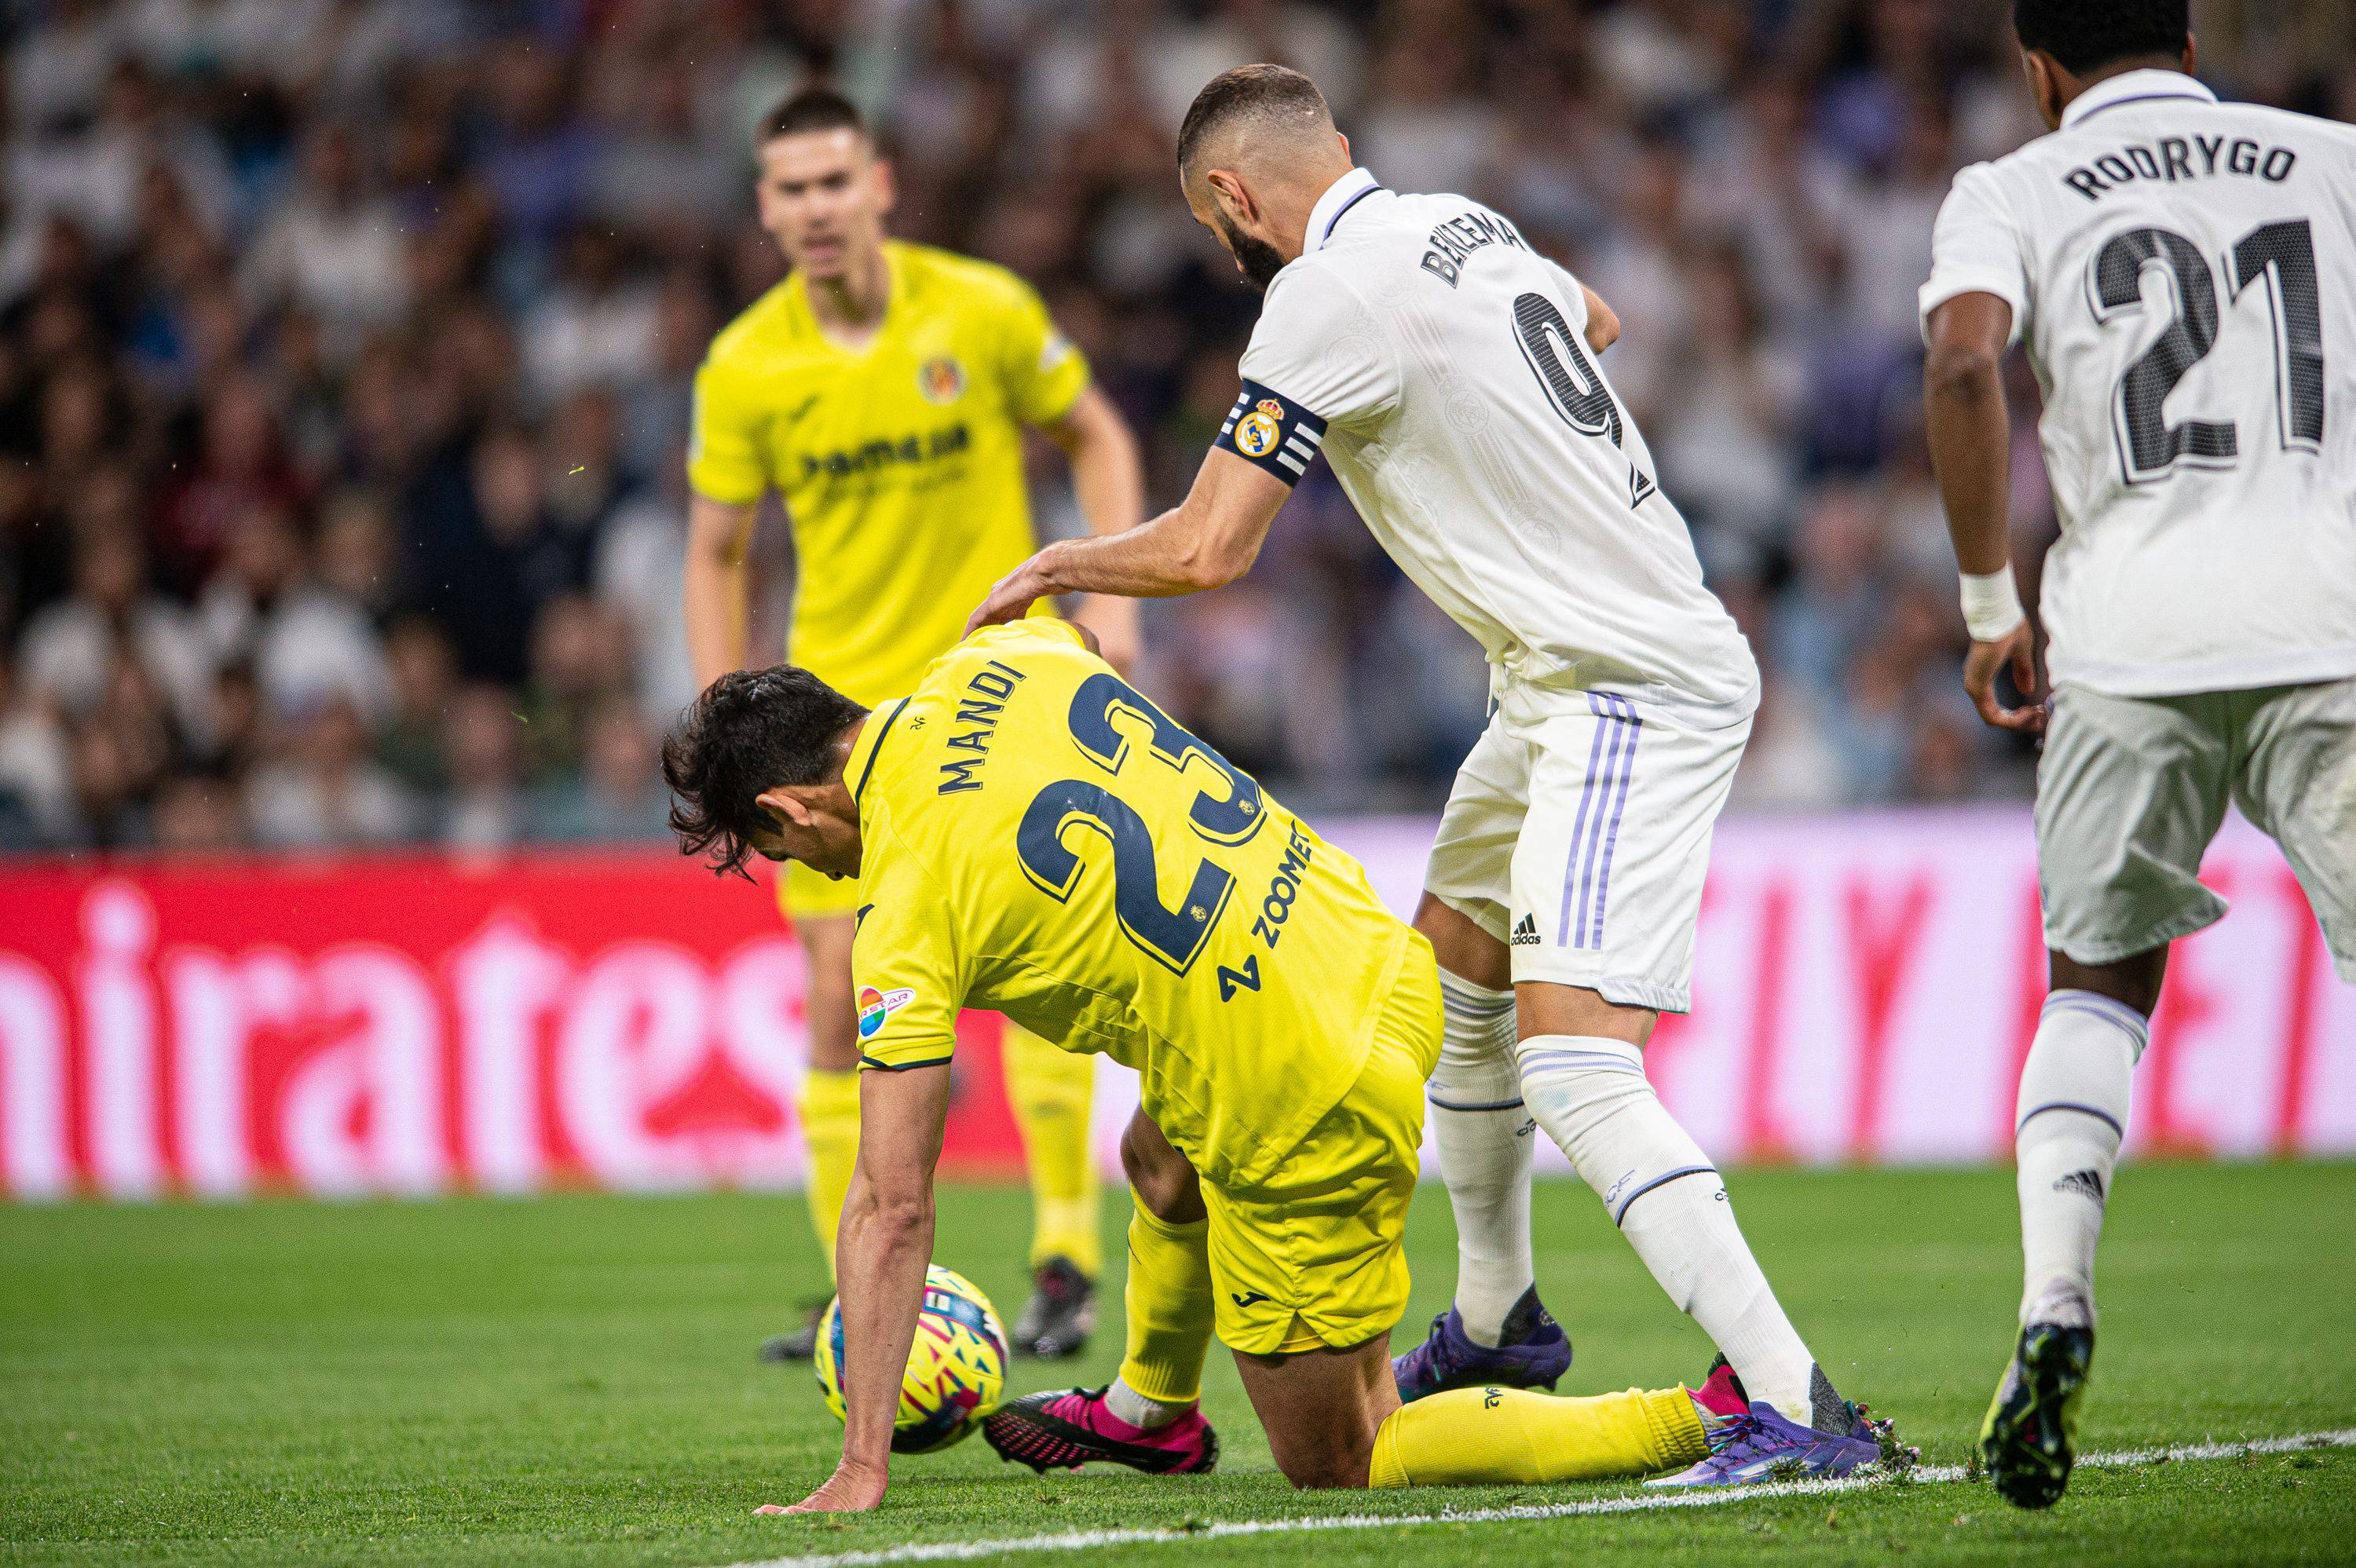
(1029,834)
(881,390)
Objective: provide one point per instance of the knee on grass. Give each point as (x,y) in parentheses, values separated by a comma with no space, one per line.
(1329,1470)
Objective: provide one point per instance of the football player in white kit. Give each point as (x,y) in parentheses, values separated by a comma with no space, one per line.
(2183,273)
(1448,371)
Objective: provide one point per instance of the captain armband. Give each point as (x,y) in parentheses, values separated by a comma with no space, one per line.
(1268,430)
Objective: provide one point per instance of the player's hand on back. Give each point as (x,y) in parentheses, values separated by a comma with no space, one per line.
(1011,600)
(853,1489)
(2016,648)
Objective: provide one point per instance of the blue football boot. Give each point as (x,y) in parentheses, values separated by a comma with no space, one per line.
(1534,1352)
(1763,1445)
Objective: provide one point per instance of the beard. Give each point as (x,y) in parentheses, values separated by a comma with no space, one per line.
(1258,258)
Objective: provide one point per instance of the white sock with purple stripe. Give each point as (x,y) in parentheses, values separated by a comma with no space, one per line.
(2070,1118)
(1478,1124)
(1591,1096)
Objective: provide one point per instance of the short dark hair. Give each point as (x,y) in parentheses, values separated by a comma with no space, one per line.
(2087,34)
(1273,91)
(811,109)
(751,730)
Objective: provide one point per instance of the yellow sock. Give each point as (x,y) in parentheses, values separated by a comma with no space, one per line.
(1480,1434)
(1051,1090)
(1168,1305)
(830,1108)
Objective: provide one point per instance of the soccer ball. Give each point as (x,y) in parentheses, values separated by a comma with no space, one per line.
(957,1368)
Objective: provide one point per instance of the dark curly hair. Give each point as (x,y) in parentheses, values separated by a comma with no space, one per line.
(2087,34)
(751,730)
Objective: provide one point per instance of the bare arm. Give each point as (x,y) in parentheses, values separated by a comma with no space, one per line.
(1206,541)
(1602,321)
(1970,452)
(881,1254)
(717,598)
(1110,485)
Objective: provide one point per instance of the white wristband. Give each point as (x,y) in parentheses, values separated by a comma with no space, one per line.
(1991,605)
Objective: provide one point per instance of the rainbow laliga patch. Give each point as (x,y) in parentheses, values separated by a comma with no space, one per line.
(875,1005)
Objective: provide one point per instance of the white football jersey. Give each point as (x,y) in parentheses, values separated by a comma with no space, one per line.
(2184,273)
(1442,365)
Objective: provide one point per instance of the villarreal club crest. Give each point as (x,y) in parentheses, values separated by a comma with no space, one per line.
(941,378)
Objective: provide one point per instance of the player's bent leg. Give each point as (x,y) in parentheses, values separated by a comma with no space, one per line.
(1332,1420)
(1051,1090)
(1322,1408)
(1496,1331)
(2069,1123)
(1168,1296)
(1148,1418)
(1157,1174)
(1462,946)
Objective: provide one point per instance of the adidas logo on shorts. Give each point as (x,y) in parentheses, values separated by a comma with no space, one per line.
(1527,934)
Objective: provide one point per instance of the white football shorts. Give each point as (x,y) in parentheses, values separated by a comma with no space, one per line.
(2131,790)
(1578,834)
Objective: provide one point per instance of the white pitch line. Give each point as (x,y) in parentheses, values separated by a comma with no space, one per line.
(1645,1502)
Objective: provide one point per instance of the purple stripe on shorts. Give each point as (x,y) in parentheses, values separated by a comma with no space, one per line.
(1578,828)
(1622,750)
(1619,803)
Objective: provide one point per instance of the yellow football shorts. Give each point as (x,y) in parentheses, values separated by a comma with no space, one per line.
(1318,1257)
(814,895)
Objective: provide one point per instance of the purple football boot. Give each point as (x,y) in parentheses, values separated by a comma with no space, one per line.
(1763,1445)
(1535,1353)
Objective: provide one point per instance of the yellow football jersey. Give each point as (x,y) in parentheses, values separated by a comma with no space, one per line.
(1041,840)
(899,463)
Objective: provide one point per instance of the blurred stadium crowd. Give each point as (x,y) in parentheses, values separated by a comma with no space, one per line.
(345,349)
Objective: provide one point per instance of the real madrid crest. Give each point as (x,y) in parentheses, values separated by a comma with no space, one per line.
(1257,432)
(941,378)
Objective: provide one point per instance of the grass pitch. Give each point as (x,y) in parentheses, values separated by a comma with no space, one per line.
(571,1380)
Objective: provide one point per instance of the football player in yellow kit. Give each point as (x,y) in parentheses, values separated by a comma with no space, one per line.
(881,390)
(1027,833)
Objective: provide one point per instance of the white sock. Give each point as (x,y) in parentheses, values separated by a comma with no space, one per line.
(1591,1096)
(1479,1136)
(1127,1404)
(2072,1116)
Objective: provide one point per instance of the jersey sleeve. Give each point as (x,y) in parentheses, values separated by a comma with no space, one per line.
(1044,371)
(908,978)
(724,455)
(1314,359)
(1976,249)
